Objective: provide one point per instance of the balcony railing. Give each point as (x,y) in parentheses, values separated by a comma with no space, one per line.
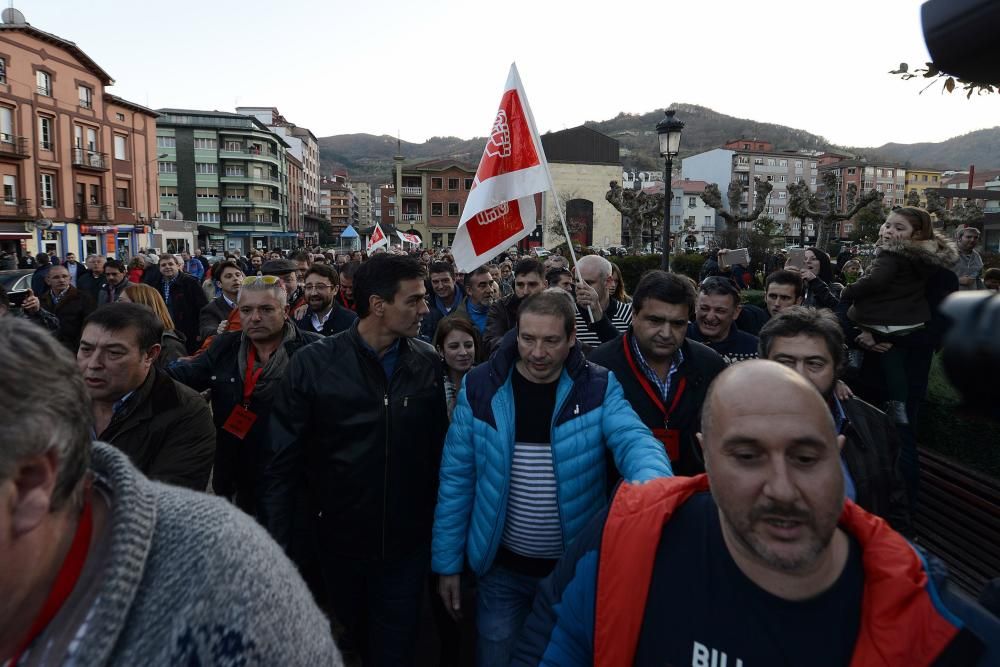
(15,209)
(410,190)
(247,178)
(250,201)
(411,217)
(247,154)
(12,146)
(88,159)
(97,212)
(45,90)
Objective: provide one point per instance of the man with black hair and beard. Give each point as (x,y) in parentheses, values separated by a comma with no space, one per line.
(324,315)
(811,343)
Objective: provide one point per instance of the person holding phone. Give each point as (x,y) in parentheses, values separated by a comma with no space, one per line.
(817,273)
(26,305)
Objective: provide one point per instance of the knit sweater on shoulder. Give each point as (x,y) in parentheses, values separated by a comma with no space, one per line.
(191,580)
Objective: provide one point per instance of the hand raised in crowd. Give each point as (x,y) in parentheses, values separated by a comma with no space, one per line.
(223,325)
(31,304)
(586,297)
(806,274)
(300,311)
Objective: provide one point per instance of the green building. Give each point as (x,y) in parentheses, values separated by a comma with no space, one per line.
(227,174)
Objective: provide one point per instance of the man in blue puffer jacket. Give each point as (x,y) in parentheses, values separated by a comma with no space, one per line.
(523,468)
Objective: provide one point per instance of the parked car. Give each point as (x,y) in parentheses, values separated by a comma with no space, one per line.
(16,279)
(539,251)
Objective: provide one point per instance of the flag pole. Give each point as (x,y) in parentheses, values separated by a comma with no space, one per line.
(552,187)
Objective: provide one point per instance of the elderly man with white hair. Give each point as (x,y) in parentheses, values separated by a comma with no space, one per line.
(599,316)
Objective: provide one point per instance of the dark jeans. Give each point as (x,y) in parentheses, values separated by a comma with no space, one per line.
(377,603)
(504,600)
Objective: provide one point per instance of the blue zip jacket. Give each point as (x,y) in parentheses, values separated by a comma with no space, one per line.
(591,413)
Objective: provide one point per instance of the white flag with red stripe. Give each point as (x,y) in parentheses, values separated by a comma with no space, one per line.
(500,210)
(408,238)
(377,239)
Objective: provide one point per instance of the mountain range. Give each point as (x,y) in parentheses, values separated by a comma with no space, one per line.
(367,157)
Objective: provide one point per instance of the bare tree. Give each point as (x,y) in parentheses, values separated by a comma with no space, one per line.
(554,228)
(966,213)
(642,210)
(805,204)
(712,197)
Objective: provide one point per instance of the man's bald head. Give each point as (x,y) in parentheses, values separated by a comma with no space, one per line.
(772,456)
(763,385)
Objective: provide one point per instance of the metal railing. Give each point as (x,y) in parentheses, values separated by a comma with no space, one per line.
(92,212)
(19,208)
(11,145)
(84,157)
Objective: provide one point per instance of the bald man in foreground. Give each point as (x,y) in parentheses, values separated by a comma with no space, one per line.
(761,561)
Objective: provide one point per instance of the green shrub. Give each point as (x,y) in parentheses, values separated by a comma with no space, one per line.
(689,264)
(632,268)
(754,297)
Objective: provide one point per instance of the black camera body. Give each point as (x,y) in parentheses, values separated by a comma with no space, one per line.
(971,353)
(961,36)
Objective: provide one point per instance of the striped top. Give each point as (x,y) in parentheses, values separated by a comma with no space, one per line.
(532,528)
(621,317)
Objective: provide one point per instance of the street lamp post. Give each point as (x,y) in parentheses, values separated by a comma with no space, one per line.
(669,132)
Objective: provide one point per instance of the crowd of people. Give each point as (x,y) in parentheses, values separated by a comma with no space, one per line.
(281,458)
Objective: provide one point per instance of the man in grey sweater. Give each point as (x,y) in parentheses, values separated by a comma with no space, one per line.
(103,567)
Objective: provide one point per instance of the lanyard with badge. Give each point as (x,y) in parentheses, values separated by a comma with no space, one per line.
(670,437)
(241,420)
(66,578)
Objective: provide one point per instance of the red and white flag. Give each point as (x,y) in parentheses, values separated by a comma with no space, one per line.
(377,239)
(500,210)
(408,238)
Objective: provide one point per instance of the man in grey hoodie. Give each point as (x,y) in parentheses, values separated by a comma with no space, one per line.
(103,567)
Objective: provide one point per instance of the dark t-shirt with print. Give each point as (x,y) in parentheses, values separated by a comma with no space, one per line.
(703,611)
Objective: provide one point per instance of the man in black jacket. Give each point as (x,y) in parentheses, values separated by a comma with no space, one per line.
(184,298)
(664,375)
(228,276)
(164,427)
(446,298)
(90,281)
(68,304)
(529,278)
(811,342)
(360,419)
(324,315)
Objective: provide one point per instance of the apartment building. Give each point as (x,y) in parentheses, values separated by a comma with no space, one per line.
(427,199)
(335,201)
(74,159)
(363,199)
(918,180)
(743,161)
(228,174)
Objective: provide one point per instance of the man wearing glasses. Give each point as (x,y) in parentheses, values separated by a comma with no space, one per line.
(324,315)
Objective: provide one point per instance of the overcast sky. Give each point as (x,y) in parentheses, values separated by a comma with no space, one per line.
(437,67)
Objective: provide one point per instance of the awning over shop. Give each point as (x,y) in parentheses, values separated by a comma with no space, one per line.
(349,233)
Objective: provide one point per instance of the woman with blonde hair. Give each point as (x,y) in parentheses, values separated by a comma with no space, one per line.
(172,344)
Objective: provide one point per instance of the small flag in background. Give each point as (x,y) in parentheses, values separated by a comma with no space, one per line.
(408,238)
(378,239)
